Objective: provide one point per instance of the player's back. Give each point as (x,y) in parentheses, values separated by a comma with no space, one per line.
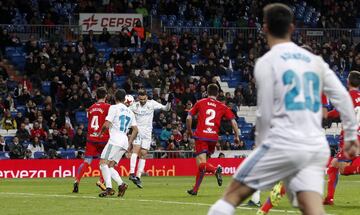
(96,118)
(297,86)
(121,118)
(210,113)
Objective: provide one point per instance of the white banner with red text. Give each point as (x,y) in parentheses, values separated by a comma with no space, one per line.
(114,22)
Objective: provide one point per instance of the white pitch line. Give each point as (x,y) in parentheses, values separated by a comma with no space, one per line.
(137,200)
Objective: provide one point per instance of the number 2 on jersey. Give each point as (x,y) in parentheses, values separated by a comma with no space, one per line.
(210,113)
(95,123)
(311,85)
(124,123)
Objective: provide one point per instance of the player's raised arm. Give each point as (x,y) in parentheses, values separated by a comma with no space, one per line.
(341,99)
(166,107)
(265,94)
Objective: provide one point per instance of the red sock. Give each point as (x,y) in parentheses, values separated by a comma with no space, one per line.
(210,168)
(351,170)
(266,207)
(283,190)
(81,170)
(332,181)
(199,176)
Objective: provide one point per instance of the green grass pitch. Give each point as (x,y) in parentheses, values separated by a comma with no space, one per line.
(161,195)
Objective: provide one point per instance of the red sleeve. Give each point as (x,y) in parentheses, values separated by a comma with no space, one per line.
(333,114)
(194,110)
(229,115)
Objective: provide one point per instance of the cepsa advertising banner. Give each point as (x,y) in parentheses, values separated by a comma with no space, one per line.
(59,168)
(114,22)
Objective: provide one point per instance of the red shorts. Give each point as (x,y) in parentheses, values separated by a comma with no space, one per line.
(94,149)
(202,146)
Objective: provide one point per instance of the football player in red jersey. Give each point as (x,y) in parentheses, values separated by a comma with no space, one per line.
(341,163)
(209,113)
(95,144)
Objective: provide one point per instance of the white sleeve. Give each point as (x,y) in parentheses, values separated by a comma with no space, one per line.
(111,114)
(156,105)
(265,95)
(133,120)
(341,99)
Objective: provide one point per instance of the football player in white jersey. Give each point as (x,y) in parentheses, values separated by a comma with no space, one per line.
(119,119)
(144,114)
(292,146)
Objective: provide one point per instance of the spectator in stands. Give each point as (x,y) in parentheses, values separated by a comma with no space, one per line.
(17,150)
(79,140)
(65,141)
(35,146)
(19,119)
(38,132)
(166,133)
(8,122)
(3,146)
(104,36)
(23,134)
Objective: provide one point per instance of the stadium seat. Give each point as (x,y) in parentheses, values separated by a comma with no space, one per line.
(80,117)
(38,155)
(69,154)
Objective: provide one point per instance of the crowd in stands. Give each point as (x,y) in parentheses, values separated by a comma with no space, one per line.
(45,120)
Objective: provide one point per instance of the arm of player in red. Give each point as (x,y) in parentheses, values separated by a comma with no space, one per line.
(194,110)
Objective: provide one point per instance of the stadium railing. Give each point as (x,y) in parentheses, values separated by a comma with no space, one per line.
(319,35)
(45,32)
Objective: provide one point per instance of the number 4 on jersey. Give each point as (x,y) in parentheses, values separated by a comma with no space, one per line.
(95,123)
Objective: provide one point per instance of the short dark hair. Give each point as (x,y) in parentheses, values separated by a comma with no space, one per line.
(101,93)
(142,92)
(120,95)
(212,90)
(278,18)
(354,78)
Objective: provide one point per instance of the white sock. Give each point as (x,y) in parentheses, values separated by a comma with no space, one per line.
(105,170)
(115,175)
(141,166)
(133,163)
(222,207)
(256,196)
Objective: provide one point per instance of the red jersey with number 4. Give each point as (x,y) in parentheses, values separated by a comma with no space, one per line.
(209,112)
(96,118)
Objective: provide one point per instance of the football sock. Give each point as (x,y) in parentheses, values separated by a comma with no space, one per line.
(210,168)
(222,207)
(133,160)
(351,170)
(256,196)
(141,166)
(81,170)
(101,178)
(199,176)
(115,175)
(332,181)
(266,206)
(105,170)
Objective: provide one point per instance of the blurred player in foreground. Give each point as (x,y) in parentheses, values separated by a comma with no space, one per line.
(119,119)
(291,144)
(144,113)
(342,163)
(210,112)
(95,144)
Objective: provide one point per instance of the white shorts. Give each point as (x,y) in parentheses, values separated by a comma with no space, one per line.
(112,153)
(144,141)
(300,170)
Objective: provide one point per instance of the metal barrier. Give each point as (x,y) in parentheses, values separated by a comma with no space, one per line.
(319,35)
(45,32)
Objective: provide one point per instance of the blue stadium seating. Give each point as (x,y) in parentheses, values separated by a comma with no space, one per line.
(68,154)
(80,117)
(38,155)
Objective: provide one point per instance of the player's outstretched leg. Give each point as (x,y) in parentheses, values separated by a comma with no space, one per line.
(333,174)
(100,183)
(199,177)
(105,170)
(133,160)
(121,185)
(80,172)
(276,194)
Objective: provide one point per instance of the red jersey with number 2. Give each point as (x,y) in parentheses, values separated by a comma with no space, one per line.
(96,118)
(210,112)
